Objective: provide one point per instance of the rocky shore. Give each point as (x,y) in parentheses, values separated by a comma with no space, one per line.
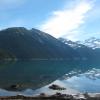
(57,96)
(53,92)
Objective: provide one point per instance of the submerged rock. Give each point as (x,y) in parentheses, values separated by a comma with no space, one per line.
(56,87)
(14,87)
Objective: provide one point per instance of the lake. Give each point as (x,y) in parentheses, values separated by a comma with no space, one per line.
(80,75)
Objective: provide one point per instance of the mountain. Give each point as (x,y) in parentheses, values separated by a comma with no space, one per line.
(88,50)
(21,43)
(72,44)
(92,42)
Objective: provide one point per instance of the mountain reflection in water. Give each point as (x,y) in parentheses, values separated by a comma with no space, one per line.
(83,82)
(35,74)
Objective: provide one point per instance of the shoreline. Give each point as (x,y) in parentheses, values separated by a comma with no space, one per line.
(57,96)
(54,91)
(48,93)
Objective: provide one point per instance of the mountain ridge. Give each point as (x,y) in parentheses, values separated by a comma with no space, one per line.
(85,51)
(22,43)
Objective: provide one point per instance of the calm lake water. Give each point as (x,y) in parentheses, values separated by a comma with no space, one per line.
(80,75)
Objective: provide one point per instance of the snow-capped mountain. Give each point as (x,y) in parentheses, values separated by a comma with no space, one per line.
(87,50)
(92,42)
(72,44)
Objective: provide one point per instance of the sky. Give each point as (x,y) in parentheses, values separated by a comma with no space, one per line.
(76,20)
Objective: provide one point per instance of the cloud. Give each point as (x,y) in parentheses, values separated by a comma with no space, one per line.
(68,20)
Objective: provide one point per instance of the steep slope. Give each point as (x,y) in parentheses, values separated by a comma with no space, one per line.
(33,44)
(92,42)
(72,44)
(86,52)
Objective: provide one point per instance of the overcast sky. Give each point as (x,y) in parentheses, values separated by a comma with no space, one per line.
(72,19)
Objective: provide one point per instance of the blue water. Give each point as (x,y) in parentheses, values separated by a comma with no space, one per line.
(82,76)
(88,81)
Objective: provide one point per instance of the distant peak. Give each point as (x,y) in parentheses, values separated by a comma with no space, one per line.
(15,29)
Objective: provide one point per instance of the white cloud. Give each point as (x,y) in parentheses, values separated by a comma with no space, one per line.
(67,21)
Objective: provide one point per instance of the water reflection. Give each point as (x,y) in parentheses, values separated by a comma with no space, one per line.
(84,82)
(35,74)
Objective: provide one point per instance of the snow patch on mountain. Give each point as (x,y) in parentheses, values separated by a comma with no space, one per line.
(92,42)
